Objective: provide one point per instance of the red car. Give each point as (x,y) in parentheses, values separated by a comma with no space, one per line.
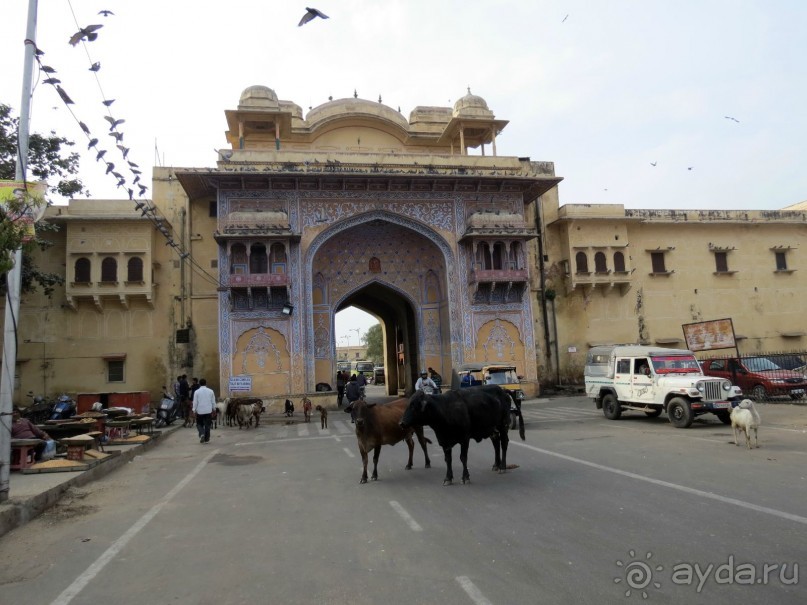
(758,377)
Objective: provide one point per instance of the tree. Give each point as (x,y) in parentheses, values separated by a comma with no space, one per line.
(374,341)
(49,160)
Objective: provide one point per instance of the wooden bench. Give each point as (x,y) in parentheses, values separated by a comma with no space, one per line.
(23,453)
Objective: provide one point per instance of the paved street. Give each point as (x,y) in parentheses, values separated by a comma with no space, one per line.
(596,512)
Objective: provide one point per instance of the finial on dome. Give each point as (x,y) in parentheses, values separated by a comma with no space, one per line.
(469,90)
(355,94)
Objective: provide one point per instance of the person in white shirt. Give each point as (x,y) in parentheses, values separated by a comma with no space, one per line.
(204,402)
(425,384)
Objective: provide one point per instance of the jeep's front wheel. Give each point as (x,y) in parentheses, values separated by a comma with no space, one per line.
(724,416)
(611,407)
(680,413)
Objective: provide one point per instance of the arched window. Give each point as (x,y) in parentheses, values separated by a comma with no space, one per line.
(258,261)
(512,257)
(82,271)
(277,256)
(109,270)
(238,259)
(581,262)
(599,263)
(483,260)
(498,255)
(619,262)
(134,270)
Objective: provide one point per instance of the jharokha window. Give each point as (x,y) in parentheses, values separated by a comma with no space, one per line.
(599,263)
(619,262)
(258,260)
(581,262)
(135,269)
(109,270)
(82,272)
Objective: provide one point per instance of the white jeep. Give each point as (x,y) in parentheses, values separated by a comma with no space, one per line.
(654,380)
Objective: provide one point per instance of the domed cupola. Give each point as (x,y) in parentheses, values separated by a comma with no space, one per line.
(258,97)
(472,106)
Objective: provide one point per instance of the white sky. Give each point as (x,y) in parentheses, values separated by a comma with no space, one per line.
(617,85)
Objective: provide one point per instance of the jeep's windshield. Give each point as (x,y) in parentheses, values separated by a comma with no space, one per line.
(502,377)
(760,364)
(675,364)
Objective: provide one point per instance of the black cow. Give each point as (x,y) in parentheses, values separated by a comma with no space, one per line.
(378,425)
(459,416)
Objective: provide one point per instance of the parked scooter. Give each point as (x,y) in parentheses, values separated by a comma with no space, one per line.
(167,412)
(65,408)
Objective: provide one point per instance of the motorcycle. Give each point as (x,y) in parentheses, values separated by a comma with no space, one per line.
(39,410)
(65,408)
(167,412)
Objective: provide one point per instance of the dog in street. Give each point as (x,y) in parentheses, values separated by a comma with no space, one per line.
(323,416)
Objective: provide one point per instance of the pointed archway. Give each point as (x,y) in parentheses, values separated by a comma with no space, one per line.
(397,270)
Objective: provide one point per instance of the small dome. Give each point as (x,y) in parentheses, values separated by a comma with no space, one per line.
(261,97)
(472,105)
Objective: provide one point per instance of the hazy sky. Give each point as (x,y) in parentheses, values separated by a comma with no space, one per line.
(603,88)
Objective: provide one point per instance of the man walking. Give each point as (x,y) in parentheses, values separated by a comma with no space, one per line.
(204,402)
(353,393)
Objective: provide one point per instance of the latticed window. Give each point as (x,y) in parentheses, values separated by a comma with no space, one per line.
(82,270)
(721,262)
(109,270)
(781,261)
(135,269)
(258,261)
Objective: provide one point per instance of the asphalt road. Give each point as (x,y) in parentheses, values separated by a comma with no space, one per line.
(597,511)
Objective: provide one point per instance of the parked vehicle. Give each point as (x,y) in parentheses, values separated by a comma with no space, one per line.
(365,367)
(758,376)
(789,361)
(503,375)
(167,412)
(65,408)
(655,380)
(380,378)
(39,410)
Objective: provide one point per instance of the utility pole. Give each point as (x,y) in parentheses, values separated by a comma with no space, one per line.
(13,277)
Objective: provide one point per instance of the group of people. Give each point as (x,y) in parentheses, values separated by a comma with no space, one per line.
(196,401)
(344,380)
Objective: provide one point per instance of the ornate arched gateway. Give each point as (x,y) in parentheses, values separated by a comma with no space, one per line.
(357,206)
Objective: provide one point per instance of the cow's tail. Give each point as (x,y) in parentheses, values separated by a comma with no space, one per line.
(517,403)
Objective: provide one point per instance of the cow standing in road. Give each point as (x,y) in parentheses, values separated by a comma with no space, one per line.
(459,416)
(380,424)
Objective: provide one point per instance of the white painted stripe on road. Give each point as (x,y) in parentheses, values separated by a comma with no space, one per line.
(110,553)
(349,453)
(413,525)
(675,486)
(302,430)
(286,440)
(472,591)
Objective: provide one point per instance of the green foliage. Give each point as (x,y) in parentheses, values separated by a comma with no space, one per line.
(374,341)
(49,160)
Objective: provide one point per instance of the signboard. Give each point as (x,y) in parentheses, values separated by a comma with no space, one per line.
(240,383)
(23,203)
(710,335)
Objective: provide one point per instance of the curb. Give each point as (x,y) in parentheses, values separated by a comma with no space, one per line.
(15,513)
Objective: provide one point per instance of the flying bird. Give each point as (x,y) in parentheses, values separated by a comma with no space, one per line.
(85,32)
(113,123)
(564,19)
(118,136)
(730,118)
(95,66)
(108,102)
(690,167)
(653,163)
(311,13)
(105,13)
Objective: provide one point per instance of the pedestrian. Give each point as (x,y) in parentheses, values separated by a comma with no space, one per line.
(438,380)
(307,409)
(340,388)
(185,400)
(194,385)
(22,428)
(204,402)
(353,393)
(425,384)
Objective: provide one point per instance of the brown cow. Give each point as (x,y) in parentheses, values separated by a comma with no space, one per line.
(378,425)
